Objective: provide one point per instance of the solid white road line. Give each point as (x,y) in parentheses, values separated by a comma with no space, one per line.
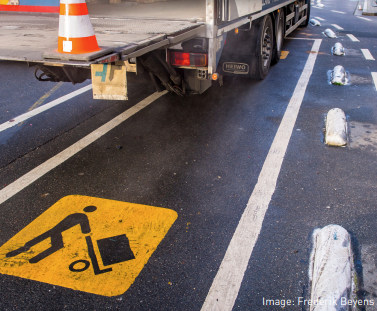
(367,19)
(374,76)
(353,38)
(337,27)
(225,287)
(289,38)
(338,12)
(58,159)
(321,19)
(34,112)
(367,54)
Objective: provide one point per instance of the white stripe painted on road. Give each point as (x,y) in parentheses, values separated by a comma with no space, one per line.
(34,112)
(367,54)
(225,287)
(338,12)
(337,26)
(321,19)
(289,38)
(353,38)
(374,76)
(58,159)
(364,18)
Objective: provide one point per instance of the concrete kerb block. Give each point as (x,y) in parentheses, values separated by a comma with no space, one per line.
(331,270)
(339,76)
(336,128)
(329,33)
(338,49)
(314,22)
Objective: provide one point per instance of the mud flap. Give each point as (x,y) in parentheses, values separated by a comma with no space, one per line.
(238,65)
(240,55)
(110,80)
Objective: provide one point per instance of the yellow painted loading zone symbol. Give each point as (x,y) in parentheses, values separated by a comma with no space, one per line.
(89,244)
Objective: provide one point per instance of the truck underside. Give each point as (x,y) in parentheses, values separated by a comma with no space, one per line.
(176,45)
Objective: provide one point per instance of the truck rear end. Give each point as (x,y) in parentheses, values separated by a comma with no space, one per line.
(178,45)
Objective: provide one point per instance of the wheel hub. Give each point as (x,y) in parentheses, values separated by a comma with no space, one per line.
(266,49)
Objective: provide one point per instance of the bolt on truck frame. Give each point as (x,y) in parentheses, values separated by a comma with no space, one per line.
(179,45)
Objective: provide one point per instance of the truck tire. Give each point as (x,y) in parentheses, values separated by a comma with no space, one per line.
(306,22)
(278,37)
(265,46)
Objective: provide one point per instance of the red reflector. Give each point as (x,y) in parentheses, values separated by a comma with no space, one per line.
(180,59)
(108,59)
(188,59)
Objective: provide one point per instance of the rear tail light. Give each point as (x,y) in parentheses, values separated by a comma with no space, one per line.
(188,59)
(108,59)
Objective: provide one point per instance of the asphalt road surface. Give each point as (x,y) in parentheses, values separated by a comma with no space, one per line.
(187,168)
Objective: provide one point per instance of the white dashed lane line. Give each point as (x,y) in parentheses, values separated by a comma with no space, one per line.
(374,76)
(226,285)
(337,26)
(352,37)
(364,18)
(40,109)
(58,159)
(338,12)
(367,54)
(320,18)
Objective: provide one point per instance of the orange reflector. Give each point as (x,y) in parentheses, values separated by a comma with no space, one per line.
(236,31)
(188,59)
(215,76)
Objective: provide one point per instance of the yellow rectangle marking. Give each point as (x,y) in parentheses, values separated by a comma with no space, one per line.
(284,54)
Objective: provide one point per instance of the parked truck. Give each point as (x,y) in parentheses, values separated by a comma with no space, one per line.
(182,46)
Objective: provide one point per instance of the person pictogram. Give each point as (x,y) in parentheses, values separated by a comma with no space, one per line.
(55,234)
(113,250)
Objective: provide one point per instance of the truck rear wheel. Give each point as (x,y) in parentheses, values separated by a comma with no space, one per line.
(306,22)
(265,47)
(278,38)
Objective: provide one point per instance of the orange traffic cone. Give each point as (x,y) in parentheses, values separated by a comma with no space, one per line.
(76,39)
(76,34)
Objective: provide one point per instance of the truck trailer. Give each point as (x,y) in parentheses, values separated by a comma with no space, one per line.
(179,45)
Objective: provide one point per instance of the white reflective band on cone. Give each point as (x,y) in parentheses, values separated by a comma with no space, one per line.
(75,26)
(71,1)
